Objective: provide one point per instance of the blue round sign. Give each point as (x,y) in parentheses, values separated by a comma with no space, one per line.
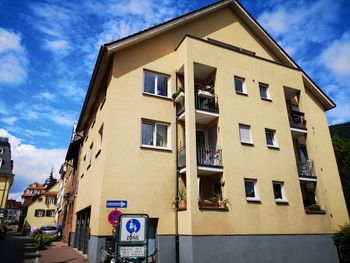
(133,226)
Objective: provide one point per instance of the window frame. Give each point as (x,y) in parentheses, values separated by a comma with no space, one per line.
(268,95)
(244,87)
(256,191)
(2,150)
(283,192)
(274,138)
(168,90)
(250,134)
(154,133)
(36,213)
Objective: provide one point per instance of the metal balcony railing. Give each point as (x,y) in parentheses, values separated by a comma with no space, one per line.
(209,156)
(180,106)
(306,168)
(181,157)
(206,103)
(297,120)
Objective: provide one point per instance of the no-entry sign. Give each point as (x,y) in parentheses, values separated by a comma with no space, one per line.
(113,217)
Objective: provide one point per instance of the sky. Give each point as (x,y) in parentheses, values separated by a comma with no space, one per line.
(48,51)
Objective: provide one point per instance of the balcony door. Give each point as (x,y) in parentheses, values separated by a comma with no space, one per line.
(201,138)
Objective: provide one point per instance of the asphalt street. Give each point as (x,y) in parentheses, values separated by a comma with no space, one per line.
(15,248)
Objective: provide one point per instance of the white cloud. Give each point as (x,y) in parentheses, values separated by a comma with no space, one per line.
(13,58)
(32,163)
(57,45)
(45,95)
(64,119)
(16,196)
(336,57)
(9,120)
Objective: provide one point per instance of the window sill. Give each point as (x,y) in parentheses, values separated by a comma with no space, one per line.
(157,96)
(242,93)
(98,153)
(253,200)
(281,202)
(148,147)
(247,143)
(315,212)
(266,99)
(273,147)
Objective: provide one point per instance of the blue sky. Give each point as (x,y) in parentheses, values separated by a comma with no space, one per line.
(48,50)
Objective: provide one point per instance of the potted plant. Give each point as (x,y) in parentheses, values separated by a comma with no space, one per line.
(222,202)
(180,199)
(179,94)
(206,92)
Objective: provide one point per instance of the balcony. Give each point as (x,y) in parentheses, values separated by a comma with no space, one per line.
(297,120)
(209,160)
(207,108)
(306,170)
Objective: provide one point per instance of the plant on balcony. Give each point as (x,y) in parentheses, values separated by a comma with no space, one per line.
(222,202)
(206,91)
(314,207)
(178,94)
(180,199)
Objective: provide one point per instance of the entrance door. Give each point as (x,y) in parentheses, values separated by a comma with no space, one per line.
(82,231)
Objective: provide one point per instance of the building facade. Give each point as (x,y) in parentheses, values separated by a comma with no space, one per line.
(6,166)
(13,211)
(32,190)
(243,150)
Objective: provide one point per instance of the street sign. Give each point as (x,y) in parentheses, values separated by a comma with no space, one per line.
(130,251)
(113,217)
(117,204)
(133,229)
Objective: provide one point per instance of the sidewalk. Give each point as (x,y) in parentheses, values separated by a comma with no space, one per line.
(59,252)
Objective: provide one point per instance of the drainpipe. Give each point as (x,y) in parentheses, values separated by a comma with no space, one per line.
(177,245)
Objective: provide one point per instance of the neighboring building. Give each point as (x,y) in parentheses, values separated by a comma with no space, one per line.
(32,190)
(41,209)
(6,166)
(250,127)
(68,187)
(13,211)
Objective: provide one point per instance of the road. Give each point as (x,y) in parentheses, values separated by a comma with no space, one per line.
(15,248)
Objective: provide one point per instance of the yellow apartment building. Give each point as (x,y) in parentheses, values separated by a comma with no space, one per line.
(244,146)
(6,175)
(42,209)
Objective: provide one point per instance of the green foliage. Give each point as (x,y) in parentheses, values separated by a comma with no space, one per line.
(41,241)
(342,241)
(341,144)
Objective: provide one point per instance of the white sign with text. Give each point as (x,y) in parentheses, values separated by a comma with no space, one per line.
(132,229)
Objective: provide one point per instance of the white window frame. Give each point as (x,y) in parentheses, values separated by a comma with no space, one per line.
(156,83)
(155,135)
(250,133)
(0,162)
(283,193)
(256,191)
(1,150)
(274,138)
(268,95)
(244,87)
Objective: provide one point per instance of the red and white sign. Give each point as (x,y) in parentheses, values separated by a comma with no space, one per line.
(113,217)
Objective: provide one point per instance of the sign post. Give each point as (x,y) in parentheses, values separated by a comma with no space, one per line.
(132,241)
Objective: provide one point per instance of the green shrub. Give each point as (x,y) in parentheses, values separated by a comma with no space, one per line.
(42,241)
(342,241)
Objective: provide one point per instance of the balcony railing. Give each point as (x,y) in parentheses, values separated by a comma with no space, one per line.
(297,120)
(207,103)
(181,157)
(209,156)
(180,106)
(306,168)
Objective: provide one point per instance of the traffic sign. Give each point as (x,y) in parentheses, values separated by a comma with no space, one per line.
(113,217)
(117,204)
(133,228)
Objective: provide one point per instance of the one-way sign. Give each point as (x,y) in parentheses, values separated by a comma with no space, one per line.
(116,203)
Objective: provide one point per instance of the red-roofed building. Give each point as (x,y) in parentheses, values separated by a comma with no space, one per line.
(32,190)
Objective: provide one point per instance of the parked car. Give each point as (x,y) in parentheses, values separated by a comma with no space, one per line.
(50,230)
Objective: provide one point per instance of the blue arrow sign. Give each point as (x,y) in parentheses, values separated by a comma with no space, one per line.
(117,204)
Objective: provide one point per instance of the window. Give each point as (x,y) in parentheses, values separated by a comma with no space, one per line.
(1,150)
(155,134)
(239,85)
(100,136)
(278,191)
(251,190)
(245,134)
(90,153)
(264,91)
(50,200)
(271,138)
(50,213)
(155,83)
(39,213)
